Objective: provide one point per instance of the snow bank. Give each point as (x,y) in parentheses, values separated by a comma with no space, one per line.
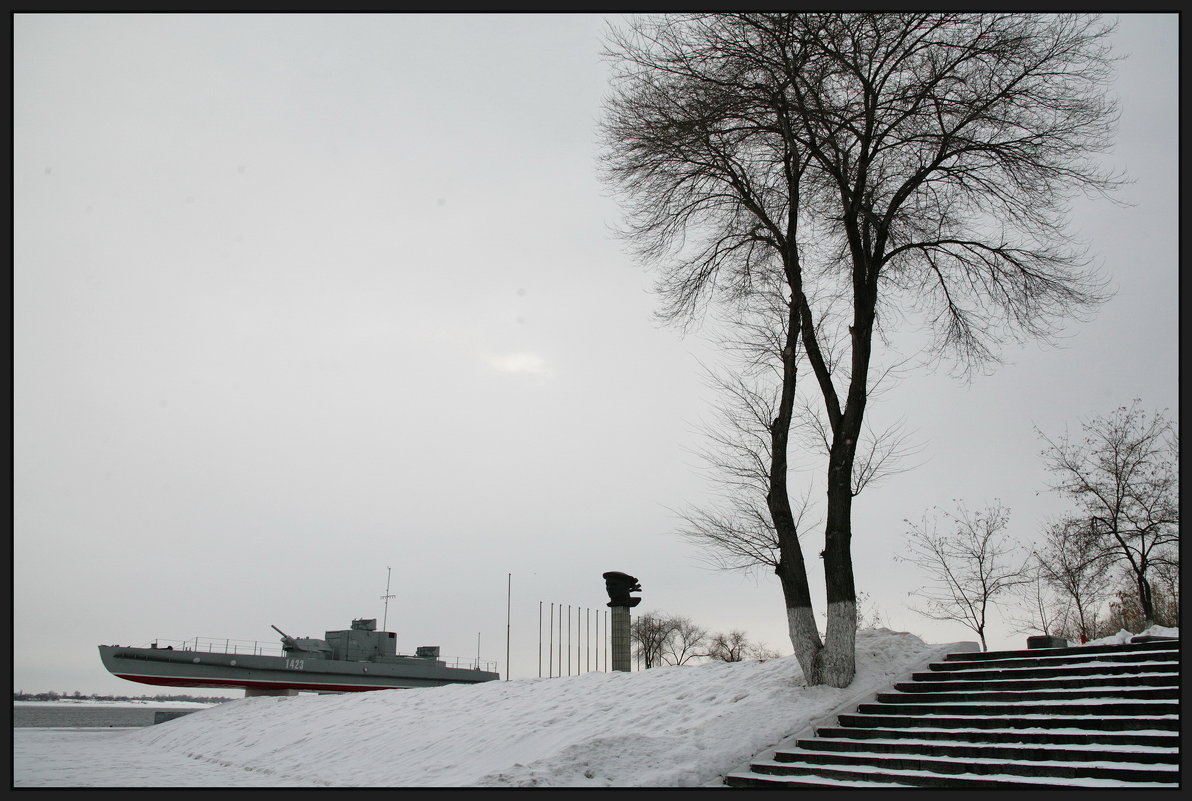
(665,727)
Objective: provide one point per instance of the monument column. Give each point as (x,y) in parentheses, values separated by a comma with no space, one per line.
(619,585)
(620,636)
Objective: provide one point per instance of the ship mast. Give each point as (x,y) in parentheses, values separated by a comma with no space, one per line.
(385,598)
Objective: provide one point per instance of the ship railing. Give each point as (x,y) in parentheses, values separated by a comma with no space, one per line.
(468,663)
(221,645)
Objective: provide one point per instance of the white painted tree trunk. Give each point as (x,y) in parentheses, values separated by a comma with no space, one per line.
(838,661)
(806,641)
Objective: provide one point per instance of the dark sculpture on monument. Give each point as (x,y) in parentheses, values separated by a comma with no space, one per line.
(619,585)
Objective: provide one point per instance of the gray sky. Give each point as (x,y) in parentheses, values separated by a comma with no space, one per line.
(301,298)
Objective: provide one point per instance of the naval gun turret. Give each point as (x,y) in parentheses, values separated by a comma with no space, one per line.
(303,646)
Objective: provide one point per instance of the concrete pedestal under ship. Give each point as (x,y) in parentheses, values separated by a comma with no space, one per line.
(348,660)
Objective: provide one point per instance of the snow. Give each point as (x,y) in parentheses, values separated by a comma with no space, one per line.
(665,727)
(1124,637)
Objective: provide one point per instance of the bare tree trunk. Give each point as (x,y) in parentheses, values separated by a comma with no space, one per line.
(800,619)
(1144,597)
(792,572)
(838,663)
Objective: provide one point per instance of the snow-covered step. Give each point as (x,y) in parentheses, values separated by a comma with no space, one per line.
(809,780)
(1045,766)
(1140,739)
(1117,651)
(988,660)
(1078,749)
(993,695)
(935,682)
(1087,706)
(769,772)
(1024,721)
(1039,672)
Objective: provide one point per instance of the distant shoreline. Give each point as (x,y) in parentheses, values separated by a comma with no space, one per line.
(129,703)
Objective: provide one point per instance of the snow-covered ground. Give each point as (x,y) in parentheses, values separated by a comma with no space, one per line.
(667,727)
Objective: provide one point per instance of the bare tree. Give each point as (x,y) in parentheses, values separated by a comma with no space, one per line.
(730,647)
(1123,476)
(686,643)
(1040,608)
(823,174)
(1167,581)
(648,634)
(660,639)
(735,646)
(1076,569)
(869,616)
(970,564)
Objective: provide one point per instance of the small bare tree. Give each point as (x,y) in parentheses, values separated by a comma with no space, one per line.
(1040,607)
(660,639)
(1078,571)
(970,564)
(648,634)
(1123,476)
(735,646)
(869,616)
(686,643)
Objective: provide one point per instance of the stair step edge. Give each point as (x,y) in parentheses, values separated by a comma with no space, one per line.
(903,773)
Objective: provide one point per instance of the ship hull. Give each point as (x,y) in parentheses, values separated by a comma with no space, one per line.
(182,668)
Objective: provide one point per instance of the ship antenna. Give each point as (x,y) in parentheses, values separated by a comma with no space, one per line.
(385,598)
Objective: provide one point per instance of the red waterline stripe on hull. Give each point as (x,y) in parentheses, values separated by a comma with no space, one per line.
(165,681)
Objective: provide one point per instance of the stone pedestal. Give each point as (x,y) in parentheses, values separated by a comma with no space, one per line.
(620,639)
(253,692)
(162,715)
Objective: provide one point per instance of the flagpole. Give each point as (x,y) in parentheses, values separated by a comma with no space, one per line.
(509,590)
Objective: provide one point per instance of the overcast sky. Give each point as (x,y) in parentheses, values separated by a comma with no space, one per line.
(300,298)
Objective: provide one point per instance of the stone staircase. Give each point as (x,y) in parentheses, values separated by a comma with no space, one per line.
(1093,716)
